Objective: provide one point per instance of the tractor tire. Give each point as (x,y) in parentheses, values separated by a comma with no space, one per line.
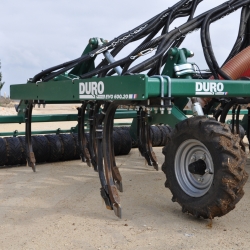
(163,133)
(117,145)
(166,131)
(156,136)
(77,153)
(55,148)
(125,141)
(205,195)
(40,146)
(24,154)
(14,151)
(3,152)
(241,130)
(69,147)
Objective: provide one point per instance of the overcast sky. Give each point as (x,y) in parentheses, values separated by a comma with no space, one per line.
(38,34)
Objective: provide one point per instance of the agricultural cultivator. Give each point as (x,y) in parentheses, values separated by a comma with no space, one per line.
(204,155)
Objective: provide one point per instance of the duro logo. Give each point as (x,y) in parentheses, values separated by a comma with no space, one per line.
(91,90)
(209,88)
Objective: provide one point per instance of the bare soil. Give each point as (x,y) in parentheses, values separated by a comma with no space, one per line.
(60,207)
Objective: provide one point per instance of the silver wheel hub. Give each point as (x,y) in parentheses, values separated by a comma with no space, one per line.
(190,151)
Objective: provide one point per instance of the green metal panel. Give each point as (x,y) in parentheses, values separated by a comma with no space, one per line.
(175,117)
(60,117)
(39,118)
(109,88)
(129,88)
(87,66)
(40,132)
(201,88)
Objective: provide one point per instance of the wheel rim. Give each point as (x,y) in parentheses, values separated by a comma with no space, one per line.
(193,184)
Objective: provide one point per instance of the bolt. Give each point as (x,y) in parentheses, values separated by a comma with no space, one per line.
(169,110)
(208,171)
(162,110)
(203,157)
(156,110)
(193,158)
(200,179)
(191,53)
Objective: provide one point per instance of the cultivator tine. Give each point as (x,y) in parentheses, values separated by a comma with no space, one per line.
(84,152)
(115,171)
(99,137)
(109,160)
(141,136)
(233,118)
(144,139)
(248,125)
(93,110)
(30,156)
(149,147)
(238,120)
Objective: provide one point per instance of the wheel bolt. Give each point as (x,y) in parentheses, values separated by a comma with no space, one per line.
(193,158)
(203,157)
(200,179)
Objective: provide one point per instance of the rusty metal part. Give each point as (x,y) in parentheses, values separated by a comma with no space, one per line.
(30,156)
(149,148)
(233,117)
(108,156)
(115,171)
(105,190)
(238,120)
(84,152)
(144,139)
(141,135)
(93,110)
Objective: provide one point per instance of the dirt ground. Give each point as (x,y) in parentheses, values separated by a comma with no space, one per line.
(60,207)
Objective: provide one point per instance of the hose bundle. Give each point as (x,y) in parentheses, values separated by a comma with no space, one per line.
(166,39)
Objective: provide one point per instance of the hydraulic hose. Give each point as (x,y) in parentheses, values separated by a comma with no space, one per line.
(162,43)
(235,68)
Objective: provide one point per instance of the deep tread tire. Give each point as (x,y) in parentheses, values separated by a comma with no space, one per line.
(77,153)
(241,130)
(117,144)
(40,146)
(3,152)
(22,141)
(69,148)
(125,142)
(166,130)
(156,136)
(55,148)
(14,151)
(228,160)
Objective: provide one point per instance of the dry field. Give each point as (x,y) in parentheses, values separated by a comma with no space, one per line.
(60,207)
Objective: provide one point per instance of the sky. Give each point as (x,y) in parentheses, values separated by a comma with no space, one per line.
(38,34)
